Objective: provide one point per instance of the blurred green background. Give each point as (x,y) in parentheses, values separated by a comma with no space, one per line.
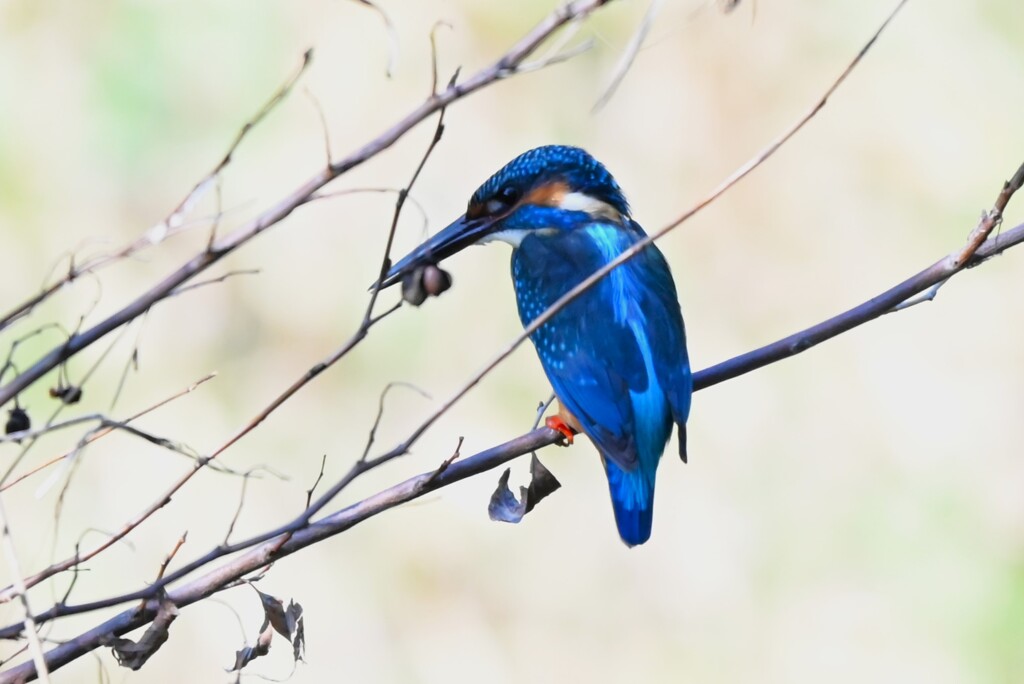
(854,514)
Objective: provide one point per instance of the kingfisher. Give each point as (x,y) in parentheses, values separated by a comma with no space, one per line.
(616,355)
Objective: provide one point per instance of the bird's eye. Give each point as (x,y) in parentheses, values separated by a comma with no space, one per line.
(502,200)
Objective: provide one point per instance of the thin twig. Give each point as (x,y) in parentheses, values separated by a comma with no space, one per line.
(323,125)
(385,262)
(409,197)
(628,55)
(433,55)
(132,362)
(28,624)
(372,434)
(446,462)
(392,35)
(4,484)
(219,279)
(542,407)
(320,476)
(171,555)
(174,222)
(926,296)
(990,219)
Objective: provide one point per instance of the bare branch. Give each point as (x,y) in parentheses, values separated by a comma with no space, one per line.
(258,557)
(505,66)
(629,55)
(212,281)
(174,219)
(323,126)
(320,476)
(170,556)
(991,219)
(174,222)
(940,271)
(433,55)
(28,624)
(4,484)
(409,197)
(385,262)
(392,34)
(372,435)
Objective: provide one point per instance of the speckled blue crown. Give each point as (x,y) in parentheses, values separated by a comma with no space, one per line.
(574,165)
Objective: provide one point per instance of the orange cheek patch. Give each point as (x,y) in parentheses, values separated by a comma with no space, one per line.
(549,195)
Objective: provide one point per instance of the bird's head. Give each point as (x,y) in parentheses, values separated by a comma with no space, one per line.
(547,189)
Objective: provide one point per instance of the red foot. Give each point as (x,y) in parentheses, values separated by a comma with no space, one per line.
(556,423)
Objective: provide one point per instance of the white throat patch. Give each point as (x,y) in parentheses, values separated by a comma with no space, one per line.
(579,201)
(512,237)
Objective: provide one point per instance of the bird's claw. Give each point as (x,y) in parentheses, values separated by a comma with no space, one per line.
(558,425)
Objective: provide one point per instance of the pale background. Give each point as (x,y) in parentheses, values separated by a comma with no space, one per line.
(853,514)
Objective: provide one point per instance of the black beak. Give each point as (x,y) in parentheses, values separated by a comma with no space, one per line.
(459,235)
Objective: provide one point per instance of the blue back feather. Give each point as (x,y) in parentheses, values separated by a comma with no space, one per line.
(616,356)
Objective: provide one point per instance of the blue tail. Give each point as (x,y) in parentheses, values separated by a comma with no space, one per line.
(633,501)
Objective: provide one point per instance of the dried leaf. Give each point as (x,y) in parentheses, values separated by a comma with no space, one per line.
(298,637)
(134,655)
(250,653)
(17,421)
(505,508)
(288,622)
(273,609)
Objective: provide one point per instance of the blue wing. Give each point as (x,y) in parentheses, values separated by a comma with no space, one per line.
(672,363)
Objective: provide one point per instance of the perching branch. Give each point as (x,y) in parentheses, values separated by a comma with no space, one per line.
(258,557)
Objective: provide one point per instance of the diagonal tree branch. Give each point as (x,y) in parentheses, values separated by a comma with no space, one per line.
(174,222)
(507,65)
(936,274)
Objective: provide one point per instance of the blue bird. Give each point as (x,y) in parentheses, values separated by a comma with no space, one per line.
(616,355)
